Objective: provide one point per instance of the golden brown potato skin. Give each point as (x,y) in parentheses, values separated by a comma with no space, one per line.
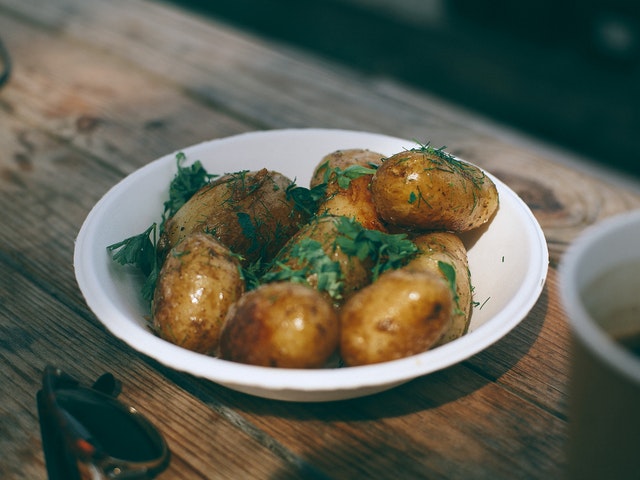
(280,324)
(447,247)
(199,281)
(259,197)
(422,190)
(354,201)
(354,273)
(403,313)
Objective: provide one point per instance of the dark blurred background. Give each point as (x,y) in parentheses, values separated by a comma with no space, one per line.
(565,71)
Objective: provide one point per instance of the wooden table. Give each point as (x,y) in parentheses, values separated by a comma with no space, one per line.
(101,88)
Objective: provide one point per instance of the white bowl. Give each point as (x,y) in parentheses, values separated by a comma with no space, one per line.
(508,261)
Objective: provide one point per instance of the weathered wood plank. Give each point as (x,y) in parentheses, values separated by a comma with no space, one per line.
(43,330)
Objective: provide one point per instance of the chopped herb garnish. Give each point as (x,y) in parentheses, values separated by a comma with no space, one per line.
(251,273)
(248,230)
(387,251)
(344,177)
(186,182)
(450,274)
(446,162)
(140,252)
(306,200)
(313,262)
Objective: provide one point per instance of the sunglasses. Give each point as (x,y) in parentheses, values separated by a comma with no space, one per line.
(87,430)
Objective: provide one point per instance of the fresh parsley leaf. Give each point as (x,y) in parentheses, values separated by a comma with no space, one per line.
(312,260)
(450,274)
(306,200)
(137,250)
(387,251)
(352,172)
(140,252)
(186,182)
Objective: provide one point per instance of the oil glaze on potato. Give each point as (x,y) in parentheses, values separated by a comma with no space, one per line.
(447,247)
(248,212)
(349,194)
(199,281)
(280,324)
(403,313)
(429,189)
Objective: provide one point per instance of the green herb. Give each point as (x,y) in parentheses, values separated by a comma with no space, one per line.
(446,162)
(186,182)
(252,272)
(140,252)
(313,261)
(450,274)
(387,251)
(484,303)
(248,230)
(306,200)
(344,177)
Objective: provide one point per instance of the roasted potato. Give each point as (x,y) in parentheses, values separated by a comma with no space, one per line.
(314,256)
(347,174)
(403,313)
(249,212)
(199,281)
(444,254)
(280,324)
(429,189)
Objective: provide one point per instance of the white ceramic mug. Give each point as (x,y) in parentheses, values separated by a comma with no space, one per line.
(600,290)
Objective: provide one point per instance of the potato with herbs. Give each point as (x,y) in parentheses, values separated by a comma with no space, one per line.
(403,313)
(249,212)
(347,175)
(444,254)
(199,281)
(314,256)
(281,324)
(428,189)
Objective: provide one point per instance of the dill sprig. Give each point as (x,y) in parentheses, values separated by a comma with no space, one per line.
(446,162)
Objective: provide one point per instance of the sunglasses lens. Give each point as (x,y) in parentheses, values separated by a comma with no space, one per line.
(119,432)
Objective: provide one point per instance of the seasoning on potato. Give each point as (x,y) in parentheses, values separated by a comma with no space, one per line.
(428,189)
(347,175)
(249,212)
(338,256)
(444,254)
(281,324)
(403,313)
(314,257)
(198,283)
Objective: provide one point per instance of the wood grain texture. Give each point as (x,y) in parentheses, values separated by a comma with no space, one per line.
(102,88)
